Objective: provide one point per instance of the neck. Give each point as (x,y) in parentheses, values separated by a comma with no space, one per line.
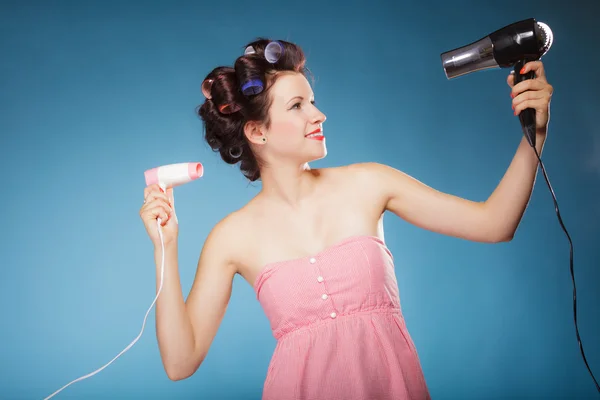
(289,184)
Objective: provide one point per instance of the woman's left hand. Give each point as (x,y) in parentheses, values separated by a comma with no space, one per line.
(532,93)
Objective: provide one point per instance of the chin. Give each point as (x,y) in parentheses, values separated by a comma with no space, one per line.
(318,155)
(307,154)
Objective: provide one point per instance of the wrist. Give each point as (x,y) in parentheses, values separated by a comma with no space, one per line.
(170,246)
(540,134)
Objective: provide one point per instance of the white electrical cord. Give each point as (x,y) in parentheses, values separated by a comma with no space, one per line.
(162,272)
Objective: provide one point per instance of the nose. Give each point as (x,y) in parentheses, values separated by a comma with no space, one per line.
(318,117)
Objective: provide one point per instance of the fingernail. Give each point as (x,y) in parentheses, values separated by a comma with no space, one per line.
(522,70)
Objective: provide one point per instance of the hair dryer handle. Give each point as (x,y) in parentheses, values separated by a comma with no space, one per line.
(527,116)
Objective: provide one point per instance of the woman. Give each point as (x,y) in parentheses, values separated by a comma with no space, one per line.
(311,242)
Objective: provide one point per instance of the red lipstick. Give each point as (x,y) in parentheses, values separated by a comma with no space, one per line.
(315,135)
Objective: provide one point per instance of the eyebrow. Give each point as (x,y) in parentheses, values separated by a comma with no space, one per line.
(294,98)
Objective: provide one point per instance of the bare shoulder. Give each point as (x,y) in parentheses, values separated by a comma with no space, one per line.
(225,238)
(356,170)
(363,175)
(363,183)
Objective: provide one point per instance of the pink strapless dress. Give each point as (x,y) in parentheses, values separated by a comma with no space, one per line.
(339,327)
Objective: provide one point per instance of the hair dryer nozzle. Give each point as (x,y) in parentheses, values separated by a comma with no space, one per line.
(545,35)
(174,174)
(472,57)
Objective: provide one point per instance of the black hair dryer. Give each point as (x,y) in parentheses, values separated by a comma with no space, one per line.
(512,46)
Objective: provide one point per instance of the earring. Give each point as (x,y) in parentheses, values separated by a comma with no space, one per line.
(264,139)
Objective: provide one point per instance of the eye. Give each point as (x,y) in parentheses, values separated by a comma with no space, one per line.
(297,105)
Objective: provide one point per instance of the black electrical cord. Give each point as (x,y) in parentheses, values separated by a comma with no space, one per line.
(571,265)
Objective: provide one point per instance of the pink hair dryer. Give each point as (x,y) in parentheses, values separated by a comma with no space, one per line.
(172,175)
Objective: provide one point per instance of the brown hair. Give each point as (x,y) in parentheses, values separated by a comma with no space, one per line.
(227,109)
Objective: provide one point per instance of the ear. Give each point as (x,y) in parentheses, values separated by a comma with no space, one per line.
(254,132)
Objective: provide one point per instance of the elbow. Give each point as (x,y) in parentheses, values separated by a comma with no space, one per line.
(496,231)
(180,372)
(175,377)
(178,375)
(503,237)
(494,236)
(507,235)
(499,227)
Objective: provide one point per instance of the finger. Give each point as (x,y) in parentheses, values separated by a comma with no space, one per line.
(155,187)
(152,188)
(537,67)
(529,95)
(155,202)
(159,211)
(528,84)
(154,212)
(154,195)
(170,196)
(511,79)
(536,104)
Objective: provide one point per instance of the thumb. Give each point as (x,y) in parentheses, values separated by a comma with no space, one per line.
(171,198)
(510,79)
(170,195)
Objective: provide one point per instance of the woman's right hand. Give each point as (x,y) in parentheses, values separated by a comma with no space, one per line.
(158,204)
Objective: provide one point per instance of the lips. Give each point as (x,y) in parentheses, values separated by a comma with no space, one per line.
(317,134)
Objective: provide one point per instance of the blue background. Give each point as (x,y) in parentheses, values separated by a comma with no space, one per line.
(94,93)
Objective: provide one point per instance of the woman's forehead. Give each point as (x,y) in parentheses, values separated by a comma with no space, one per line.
(289,86)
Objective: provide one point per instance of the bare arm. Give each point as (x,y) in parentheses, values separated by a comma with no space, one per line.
(185,330)
(491,221)
(428,208)
(494,220)
(508,202)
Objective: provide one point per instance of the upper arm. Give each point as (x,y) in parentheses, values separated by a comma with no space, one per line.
(211,289)
(428,208)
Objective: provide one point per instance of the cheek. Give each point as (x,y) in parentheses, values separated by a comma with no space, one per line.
(285,128)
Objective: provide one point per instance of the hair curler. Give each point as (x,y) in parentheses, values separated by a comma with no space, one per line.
(273,51)
(511,46)
(166,176)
